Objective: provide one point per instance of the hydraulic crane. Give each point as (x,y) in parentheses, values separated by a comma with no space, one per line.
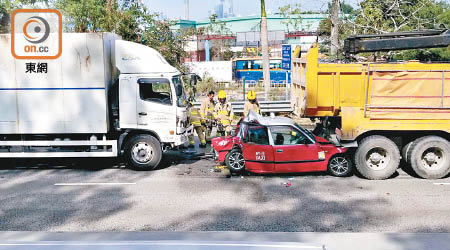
(396,41)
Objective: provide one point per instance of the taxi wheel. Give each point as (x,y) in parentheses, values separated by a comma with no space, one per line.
(340,166)
(235,161)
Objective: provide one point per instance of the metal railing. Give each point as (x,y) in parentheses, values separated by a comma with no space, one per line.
(266,106)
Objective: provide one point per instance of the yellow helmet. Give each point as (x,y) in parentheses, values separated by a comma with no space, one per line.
(222,94)
(251,95)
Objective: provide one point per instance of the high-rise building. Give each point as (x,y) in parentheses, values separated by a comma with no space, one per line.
(186,9)
(230,12)
(218,9)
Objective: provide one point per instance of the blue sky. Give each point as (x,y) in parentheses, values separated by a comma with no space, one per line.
(199,8)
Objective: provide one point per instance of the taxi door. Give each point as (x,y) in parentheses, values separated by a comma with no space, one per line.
(258,153)
(293,151)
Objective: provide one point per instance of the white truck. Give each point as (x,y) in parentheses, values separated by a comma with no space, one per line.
(103,97)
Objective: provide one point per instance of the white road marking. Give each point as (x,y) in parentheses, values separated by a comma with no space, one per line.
(150,243)
(441,183)
(94,184)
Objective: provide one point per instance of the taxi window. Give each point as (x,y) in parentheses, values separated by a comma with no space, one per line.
(257,135)
(287,135)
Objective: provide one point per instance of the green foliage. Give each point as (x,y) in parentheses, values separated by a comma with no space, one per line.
(133,22)
(207,84)
(424,55)
(217,27)
(219,48)
(292,15)
(383,16)
(345,29)
(7,7)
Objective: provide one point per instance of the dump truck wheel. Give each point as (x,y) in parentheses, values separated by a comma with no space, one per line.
(340,166)
(430,157)
(144,152)
(235,161)
(377,157)
(405,150)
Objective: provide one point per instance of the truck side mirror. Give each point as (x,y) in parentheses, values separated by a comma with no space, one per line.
(193,80)
(179,90)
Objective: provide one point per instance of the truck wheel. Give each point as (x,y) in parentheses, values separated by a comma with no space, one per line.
(430,157)
(340,166)
(405,151)
(144,152)
(377,157)
(235,161)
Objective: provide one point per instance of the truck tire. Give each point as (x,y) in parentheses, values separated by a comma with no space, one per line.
(405,150)
(430,157)
(144,152)
(235,161)
(377,157)
(340,166)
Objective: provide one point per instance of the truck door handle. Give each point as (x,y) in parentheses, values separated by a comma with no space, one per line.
(279,150)
(142,113)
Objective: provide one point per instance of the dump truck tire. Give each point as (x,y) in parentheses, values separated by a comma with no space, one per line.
(430,157)
(377,157)
(406,150)
(144,152)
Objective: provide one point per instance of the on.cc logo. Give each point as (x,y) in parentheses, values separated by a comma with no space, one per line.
(39,26)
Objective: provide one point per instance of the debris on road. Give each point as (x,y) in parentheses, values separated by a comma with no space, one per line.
(287,184)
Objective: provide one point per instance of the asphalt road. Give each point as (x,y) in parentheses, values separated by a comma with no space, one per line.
(188,195)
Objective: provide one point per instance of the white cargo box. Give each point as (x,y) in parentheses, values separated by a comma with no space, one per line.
(71,98)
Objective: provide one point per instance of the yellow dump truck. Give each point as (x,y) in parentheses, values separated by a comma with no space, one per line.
(383,110)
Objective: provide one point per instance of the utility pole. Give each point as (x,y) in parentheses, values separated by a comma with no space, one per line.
(186,9)
(265,50)
(335,8)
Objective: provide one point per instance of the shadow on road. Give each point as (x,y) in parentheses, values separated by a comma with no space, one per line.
(277,208)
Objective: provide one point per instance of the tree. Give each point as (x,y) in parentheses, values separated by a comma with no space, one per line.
(324,29)
(132,21)
(7,7)
(292,16)
(334,37)
(383,16)
(220,48)
(265,49)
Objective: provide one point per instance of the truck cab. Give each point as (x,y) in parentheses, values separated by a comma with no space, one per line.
(151,94)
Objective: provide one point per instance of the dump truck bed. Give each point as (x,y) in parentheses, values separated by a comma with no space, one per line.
(373,96)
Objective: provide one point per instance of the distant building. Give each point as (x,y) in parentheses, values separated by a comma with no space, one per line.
(244,34)
(218,9)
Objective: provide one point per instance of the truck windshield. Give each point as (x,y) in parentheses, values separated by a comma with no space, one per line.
(181,98)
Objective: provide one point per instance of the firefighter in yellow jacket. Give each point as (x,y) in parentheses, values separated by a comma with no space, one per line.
(223,112)
(251,103)
(196,120)
(207,114)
